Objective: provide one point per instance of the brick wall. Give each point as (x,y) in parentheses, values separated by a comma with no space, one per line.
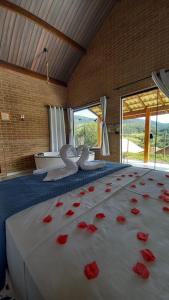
(133,41)
(19,140)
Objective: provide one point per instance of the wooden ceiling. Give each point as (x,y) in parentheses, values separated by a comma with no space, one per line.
(96,110)
(135,106)
(64,27)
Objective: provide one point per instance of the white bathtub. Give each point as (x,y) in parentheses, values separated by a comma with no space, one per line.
(48,160)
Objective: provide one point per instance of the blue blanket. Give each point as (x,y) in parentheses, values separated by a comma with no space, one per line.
(23,192)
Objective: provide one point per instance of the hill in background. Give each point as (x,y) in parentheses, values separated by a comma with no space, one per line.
(137,125)
(134,130)
(82,119)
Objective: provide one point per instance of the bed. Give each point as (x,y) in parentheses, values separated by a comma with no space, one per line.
(42,267)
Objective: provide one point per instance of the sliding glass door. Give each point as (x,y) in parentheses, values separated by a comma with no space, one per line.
(145,129)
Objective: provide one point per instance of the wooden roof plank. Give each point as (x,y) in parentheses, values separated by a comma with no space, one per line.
(163,109)
(31,73)
(23,12)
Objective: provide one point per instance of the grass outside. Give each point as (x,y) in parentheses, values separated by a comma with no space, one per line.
(140,156)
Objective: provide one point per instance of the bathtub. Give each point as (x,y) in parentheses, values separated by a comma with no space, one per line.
(48,160)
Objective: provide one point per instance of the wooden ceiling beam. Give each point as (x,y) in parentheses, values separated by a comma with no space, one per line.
(164,109)
(23,12)
(24,71)
(142,102)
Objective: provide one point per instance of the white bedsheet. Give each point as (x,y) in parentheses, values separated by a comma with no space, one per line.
(42,269)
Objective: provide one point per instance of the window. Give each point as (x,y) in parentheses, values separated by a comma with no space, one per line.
(87,126)
(145,129)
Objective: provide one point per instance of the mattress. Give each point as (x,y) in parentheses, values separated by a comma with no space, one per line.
(42,269)
(22,192)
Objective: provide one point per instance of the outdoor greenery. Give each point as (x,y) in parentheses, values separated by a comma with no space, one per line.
(86,133)
(140,156)
(133,130)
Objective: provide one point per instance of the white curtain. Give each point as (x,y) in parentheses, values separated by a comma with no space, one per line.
(57,128)
(105,151)
(161,79)
(71,125)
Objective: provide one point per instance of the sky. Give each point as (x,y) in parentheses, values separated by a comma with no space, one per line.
(161,118)
(87,113)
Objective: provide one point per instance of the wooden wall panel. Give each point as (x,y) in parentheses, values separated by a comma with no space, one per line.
(19,140)
(133,41)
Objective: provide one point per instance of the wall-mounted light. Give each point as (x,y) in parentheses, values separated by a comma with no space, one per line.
(22,117)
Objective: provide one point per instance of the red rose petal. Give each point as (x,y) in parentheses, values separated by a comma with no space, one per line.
(82,225)
(142,236)
(76,204)
(100,216)
(141,270)
(146,196)
(166,209)
(166,193)
(58,204)
(160,183)
(69,213)
(130,175)
(123,175)
(134,200)
(148,255)
(82,193)
(91,228)
(164,198)
(62,239)
(47,219)
(167,175)
(91,270)
(135,211)
(91,188)
(108,190)
(121,219)
(133,186)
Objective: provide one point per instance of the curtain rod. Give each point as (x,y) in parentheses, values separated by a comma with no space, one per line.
(90,104)
(49,105)
(86,105)
(136,81)
(133,82)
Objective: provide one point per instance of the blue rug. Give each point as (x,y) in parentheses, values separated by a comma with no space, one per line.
(23,192)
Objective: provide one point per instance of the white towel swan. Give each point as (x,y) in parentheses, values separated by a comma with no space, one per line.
(70,168)
(83,162)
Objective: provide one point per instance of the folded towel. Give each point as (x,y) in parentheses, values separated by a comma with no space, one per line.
(70,166)
(83,162)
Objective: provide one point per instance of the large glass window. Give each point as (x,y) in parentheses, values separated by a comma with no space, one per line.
(87,126)
(145,129)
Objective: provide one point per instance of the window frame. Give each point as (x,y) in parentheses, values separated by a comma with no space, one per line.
(79,108)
